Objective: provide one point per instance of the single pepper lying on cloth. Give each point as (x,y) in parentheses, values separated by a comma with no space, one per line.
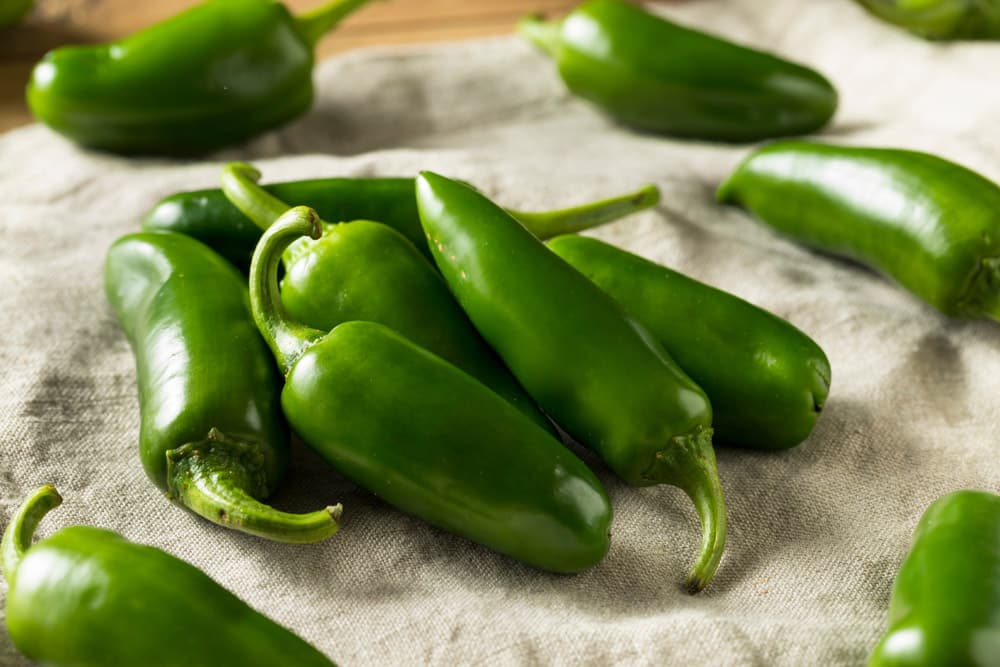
(767,381)
(364,270)
(208,216)
(212,435)
(591,367)
(87,597)
(941,19)
(930,224)
(425,436)
(658,76)
(945,607)
(219,73)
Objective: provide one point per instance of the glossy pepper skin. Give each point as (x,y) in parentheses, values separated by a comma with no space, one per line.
(941,19)
(945,606)
(367,271)
(87,597)
(212,435)
(208,216)
(929,224)
(591,367)
(425,436)
(215,75)
(657,76)
(12,11)
(767,381)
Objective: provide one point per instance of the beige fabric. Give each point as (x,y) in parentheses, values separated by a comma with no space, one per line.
(816,534)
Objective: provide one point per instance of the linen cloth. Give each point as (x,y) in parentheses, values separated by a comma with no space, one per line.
(815,534)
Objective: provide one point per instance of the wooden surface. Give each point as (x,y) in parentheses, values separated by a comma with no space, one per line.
(55,22)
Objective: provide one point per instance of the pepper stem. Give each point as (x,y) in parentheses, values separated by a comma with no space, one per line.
(689,464)
(218,478)
(982,297)
(21,529)
(549,224)
(239,184)
(543,34)
(287,338)
(315,23)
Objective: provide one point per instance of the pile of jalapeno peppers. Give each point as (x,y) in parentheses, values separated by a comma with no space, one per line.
(331,306)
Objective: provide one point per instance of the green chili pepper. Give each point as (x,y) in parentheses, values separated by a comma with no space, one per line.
(366,271)
(767,380)
(209,217)
(217,74)
(941,19)
(945,607)
(425,436)
(87,597)
(212,435)
(12,11)
(589,365)
(658,76)
(929,224)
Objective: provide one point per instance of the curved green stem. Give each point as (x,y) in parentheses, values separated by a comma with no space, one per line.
(543,34)
(549,224)
(218,478)
(239,184)
(317,22)
(689,464)
(21,529)
(287,338)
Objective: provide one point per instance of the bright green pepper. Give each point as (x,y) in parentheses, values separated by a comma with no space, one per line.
(597,372)
(928,223)
(87,597)
(212,435)
(367,271)
(12,11)
(217,74)
(425,436)
(209,217)
(941,19)
(945,607)
(658,76)
(767,380)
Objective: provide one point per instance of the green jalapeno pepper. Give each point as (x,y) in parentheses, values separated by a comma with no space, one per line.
(212,435)
(597,372)
(217,74)
(767,380)
(87,597)
(364,270)
(941,19)
(945,607)
(208,216)
(425,436)
(928,223)
(658,76)
(12,11)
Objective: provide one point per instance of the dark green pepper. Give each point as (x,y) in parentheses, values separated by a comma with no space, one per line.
(941,19)
(658,76)
(367,271)
(12,11)
(425,436)
(767,380)
(945,607)
(87,597)
(209,217)
(212,435)
(597,372)
(217,74)
(928,223)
